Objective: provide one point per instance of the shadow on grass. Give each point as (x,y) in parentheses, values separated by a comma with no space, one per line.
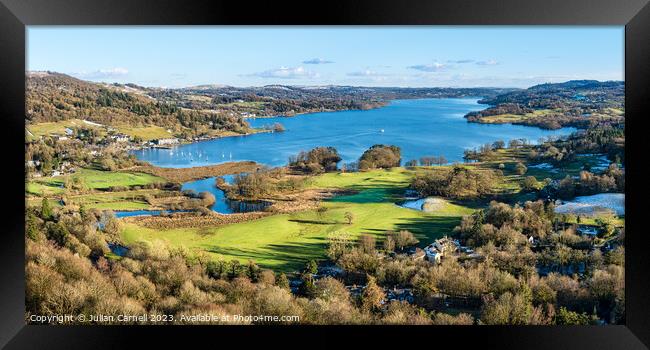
(290,257)
(278,257)
(374,190)
(369,194)
(427,229)
(315,222)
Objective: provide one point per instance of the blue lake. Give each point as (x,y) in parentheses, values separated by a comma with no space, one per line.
(422,127)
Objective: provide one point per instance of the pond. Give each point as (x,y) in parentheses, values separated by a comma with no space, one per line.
(421,127)
(224,205)
(589,205)
(118,249)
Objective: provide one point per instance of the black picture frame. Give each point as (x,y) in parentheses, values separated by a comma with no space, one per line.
(15,15)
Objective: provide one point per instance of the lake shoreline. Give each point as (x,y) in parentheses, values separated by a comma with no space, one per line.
(351,132)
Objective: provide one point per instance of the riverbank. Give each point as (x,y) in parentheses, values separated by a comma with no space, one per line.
(180,175)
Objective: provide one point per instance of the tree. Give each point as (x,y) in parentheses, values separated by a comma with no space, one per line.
(31,226)
(349,217)
(282,281)
(235,269)
(311,267)
(307,287)
(331,289)
(380,156)
(411,163)
(509,309)
(373,296)
(515,143)
(57,232)
(520,168)
(530,183)
(46,210)
(567,317)
(339,243)
(253,271)
(318,160)
(457,182)
(606,223)
(404,239)
(462,319)
(215,269)
(367,244)
(389,243)
(499,144)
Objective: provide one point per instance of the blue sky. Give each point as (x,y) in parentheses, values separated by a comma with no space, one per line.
(415,56)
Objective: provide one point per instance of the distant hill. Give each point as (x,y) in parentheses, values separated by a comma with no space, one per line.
(55,97)
(577,103)
(573,93)
(205,109)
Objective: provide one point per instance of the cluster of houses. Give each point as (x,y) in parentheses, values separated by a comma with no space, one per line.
(157,142)
(120,138)
(392,294)
(64,168)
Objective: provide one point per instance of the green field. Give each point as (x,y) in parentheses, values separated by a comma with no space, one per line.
(94,181)
(512,118)
(285,242)
(44,188)
(146,133)
(58,128)
(124,200)
(99,179)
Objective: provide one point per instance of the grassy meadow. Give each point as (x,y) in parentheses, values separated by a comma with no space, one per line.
(285,242)
(94,194)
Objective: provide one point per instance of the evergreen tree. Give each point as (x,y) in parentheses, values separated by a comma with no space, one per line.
(46,210)
(308,287)
(31,227)
(253,271)
(311,267)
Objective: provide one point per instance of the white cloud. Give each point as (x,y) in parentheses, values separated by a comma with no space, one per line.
(105,73)
(366,73)
(434,67)
(287,73)
(461,61)
(317,61)
(487,63)
(370,76)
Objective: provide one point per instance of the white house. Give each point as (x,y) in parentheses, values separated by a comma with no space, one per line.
(120,138)
(167,141)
